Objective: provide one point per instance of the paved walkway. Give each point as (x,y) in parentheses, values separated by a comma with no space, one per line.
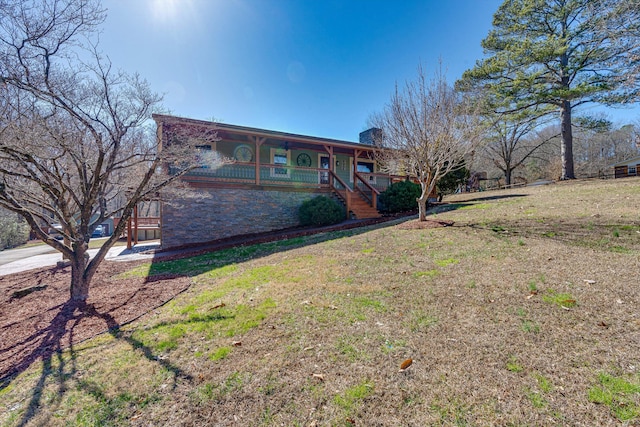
(116,253)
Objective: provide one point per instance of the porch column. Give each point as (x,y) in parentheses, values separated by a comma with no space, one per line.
(356,154)
(330,151)
(135,218)
(258,143)
(129,233)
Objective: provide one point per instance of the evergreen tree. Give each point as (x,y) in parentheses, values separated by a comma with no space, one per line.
(563,54)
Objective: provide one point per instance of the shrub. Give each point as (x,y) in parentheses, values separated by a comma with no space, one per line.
(400,197)
(13,230)
(321,210)
(449,183)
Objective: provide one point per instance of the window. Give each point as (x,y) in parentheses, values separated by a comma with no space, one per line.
(205,155)
(632,170)
(365,167)
(280,157)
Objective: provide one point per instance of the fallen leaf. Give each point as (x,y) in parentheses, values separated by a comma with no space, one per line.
(318,376)
(351,421)
(306,302)
(604,325)
(333,307)
(236,343)
(405,364)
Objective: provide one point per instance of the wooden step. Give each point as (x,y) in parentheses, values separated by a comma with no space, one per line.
(364,211)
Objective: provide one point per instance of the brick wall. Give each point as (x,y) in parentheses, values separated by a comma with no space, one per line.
(230,212)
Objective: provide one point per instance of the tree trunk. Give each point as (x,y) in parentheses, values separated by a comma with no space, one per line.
(566,147)
(423,204)
(507,176)
(79,279)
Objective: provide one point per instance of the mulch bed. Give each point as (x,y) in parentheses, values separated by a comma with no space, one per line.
(44,321)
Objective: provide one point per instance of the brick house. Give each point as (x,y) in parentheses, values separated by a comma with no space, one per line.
(272,174)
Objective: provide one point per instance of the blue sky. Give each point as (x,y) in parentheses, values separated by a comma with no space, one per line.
(313,67)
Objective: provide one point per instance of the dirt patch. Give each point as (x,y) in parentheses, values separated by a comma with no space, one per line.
(36,324)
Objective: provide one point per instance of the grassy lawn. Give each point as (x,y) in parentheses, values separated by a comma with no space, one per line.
(525,312)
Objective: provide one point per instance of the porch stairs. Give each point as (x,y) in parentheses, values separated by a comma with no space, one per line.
(360,208)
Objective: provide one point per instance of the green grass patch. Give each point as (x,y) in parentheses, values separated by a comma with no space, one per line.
(543,383)
(429,274)
(350,399)
(561,299)
(166,336)
(513,365)
(537,400)
(369,303)
(530,326)
(446,262)
(619,394)
(474,206)
(220,353)
(421,321)
(350,347)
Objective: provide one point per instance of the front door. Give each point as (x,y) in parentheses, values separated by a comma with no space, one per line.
(324,164)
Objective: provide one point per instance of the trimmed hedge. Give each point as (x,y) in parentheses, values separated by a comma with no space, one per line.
(400,197)
(321,210)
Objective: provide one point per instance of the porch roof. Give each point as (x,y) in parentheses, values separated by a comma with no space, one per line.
(265,133)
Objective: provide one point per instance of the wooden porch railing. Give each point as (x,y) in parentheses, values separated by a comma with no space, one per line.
(373,199)
(348,192)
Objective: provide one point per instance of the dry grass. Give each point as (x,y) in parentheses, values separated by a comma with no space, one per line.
(524,312)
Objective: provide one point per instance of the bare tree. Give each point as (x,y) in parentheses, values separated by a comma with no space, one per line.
(510,143)
(76,144)
(427,130)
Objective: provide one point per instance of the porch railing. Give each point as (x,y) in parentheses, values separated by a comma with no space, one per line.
(342,190)
(270,174)
(368,191)
(368,184)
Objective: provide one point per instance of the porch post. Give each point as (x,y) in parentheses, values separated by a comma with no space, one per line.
(330,151)
(356,154)
(258,143)
(135,218)
(129,233)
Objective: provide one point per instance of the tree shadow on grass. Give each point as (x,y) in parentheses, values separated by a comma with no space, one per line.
(62,367)
(495,197)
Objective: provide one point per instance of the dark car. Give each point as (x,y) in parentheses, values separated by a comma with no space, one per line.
(99,232)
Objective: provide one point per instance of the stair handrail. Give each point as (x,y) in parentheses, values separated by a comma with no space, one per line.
(347,194)
(373,200)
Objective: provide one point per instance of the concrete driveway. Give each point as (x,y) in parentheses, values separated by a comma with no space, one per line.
(17,260)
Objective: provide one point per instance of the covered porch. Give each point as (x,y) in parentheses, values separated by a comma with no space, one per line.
(264,159)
